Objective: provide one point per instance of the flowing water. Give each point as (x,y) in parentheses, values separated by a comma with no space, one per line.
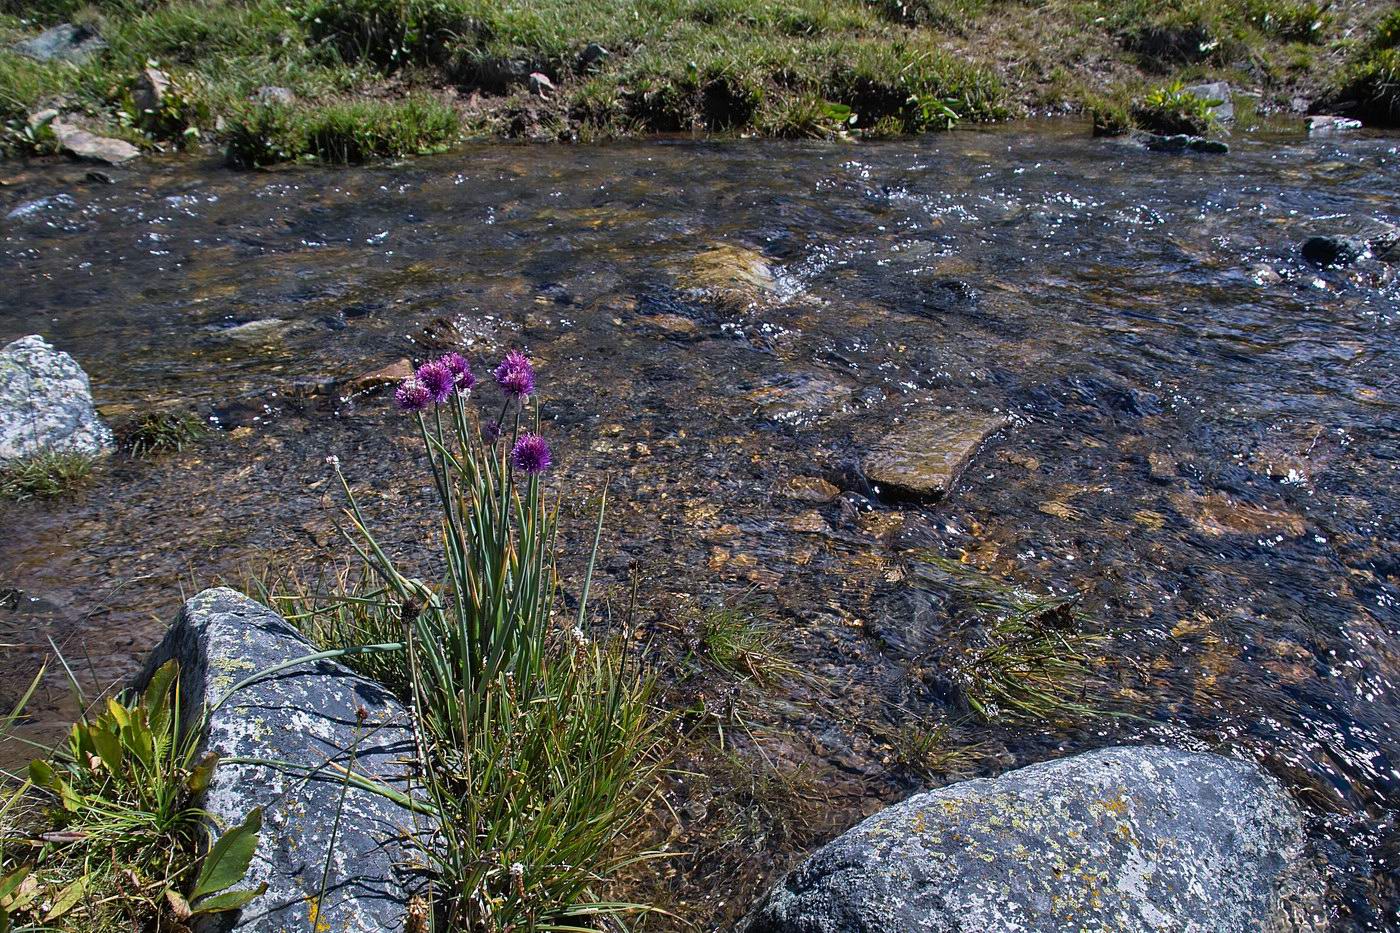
(1201,436)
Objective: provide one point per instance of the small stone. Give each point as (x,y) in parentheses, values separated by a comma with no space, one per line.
(63,43)
(1209,145)
(367,381)
(270,94)
(925,458)
(46,403)
(39,118)
(84,145)
(540,85)
(593,54)
(809,489)
(260,331)
(1131,838)
(1334,250)
(1216,514)
(1265,274)
(150,89)
(1322,123)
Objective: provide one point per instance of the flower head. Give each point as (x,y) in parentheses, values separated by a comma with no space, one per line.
(412,395)
(438,379)
(516,375)
(530,454)
(461,370)
(491,431)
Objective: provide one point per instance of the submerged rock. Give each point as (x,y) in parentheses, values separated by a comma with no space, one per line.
(1181,142)
(1334,250)
(730,274)
(46,403)
(924,458)
(310,717)
(62,43)
(1148,840)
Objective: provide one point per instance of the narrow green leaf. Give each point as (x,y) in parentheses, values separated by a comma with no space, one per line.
(228,900)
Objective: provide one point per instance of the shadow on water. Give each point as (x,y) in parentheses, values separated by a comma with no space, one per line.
(1201,438)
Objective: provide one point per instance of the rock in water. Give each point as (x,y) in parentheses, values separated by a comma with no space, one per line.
(1334,250)
(924,458)
(46,403)
(308,716)
(1137,840)
(62,43)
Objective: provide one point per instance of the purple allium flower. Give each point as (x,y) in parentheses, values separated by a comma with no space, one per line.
(491,431)
(461,370)
(438,379)
(530,454)
(412,395)
(516,375)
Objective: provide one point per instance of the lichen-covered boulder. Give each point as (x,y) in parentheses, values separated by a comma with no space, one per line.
(46,403)
(1123,840)
(315,719)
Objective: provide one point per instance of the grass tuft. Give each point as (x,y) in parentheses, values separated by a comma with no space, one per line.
(1173,109)
(342,133)
(1371,86)
(46,475)
(161,432)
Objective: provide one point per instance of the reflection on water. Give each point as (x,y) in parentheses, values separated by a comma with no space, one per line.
(1201,435)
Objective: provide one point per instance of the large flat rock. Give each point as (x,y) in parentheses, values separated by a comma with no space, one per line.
(924,458)
(1123,840)
(46,403)
(81,144)
(310,716)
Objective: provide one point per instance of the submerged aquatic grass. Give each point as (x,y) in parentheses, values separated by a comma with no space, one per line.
(1030,657)
(162,432)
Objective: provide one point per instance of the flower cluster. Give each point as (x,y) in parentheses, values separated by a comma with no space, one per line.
(436,381)
(516,375)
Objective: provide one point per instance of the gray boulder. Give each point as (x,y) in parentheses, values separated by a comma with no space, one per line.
(1137,840)
(314,717)
(46,403)
(1216,90)
(62,43)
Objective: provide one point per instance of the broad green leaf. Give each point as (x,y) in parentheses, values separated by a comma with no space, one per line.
(41,773)
(158,689)
(118,712)
(10,882)
(228,900)
(109,749)
(203,773)
(67,898)
(229,857)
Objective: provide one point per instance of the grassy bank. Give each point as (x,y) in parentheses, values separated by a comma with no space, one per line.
(366,78)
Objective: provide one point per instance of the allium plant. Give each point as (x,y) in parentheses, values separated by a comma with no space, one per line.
(536,746)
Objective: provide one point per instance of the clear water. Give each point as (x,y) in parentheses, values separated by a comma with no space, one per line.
(1208,455)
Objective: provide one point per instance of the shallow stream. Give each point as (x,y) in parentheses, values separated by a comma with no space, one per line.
(1201,439)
